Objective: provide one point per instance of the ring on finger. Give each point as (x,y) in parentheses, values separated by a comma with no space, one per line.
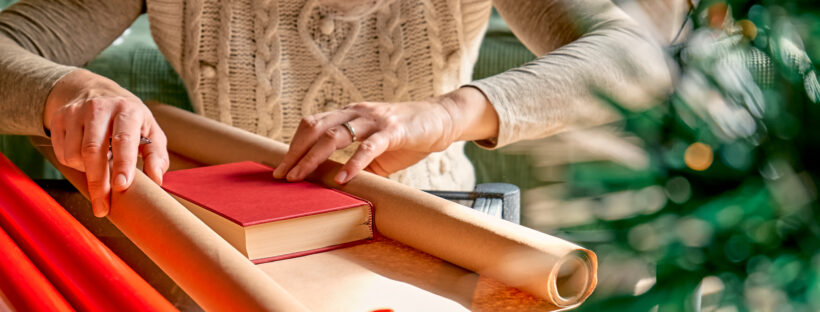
(351,130)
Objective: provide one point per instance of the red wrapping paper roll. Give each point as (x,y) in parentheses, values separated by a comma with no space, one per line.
(84,270)
(22,284)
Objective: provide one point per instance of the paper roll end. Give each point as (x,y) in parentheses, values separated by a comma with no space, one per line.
(573,279)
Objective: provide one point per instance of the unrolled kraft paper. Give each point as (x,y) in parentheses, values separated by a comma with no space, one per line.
(210,270)
(550,268)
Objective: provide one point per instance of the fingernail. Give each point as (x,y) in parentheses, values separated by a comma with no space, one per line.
(119,182)
(98,207)
(340,177)
(294,174)
(278,172)
(158,174)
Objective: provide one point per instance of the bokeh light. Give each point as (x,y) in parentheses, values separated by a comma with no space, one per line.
(698,156)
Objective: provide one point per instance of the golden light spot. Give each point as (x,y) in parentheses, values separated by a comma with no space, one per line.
(698,156)
(717,14)
(747,28)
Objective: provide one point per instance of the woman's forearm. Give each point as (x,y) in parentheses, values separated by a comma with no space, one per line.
(25,81)
(40,41)
(587,48)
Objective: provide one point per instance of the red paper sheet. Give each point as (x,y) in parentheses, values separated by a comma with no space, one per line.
(87,273)
(22,284)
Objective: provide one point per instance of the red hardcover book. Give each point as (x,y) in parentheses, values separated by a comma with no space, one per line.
(268,219)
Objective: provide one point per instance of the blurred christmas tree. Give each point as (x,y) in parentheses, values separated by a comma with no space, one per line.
(727,208)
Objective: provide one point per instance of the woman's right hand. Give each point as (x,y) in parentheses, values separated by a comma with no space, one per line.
(83,112)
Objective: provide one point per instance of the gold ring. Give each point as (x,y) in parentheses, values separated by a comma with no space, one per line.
(350,129)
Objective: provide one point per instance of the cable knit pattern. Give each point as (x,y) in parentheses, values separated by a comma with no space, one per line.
(223,85)
(190,53)
(391,53)
(268,73)
(329,65)
(436,50)
(313,56)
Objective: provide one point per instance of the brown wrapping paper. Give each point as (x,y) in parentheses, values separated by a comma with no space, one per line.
(386,274)
(211,271)
(558,271)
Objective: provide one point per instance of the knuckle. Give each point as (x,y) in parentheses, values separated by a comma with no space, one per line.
(364,108)
(331,134)
(310,123)
(129,116)
(390,121)
(355,106)
(95,184)
(72,161)
(158,139)
(125,115)
(121,137)
(95,106)
(91,148)
(368,146)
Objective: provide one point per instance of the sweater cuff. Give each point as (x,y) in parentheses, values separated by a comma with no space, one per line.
(25,93)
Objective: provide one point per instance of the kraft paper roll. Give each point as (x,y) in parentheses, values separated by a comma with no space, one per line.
(545,266)
(211,271)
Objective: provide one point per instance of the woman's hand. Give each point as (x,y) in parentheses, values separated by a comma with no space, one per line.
(84,112)
(394,135)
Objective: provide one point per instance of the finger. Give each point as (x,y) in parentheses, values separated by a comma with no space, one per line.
(94,151)
(72,144)
(376,168)
(370,148)
(155,154)
(336,137)
(58,138)
(309,130)
(332,139)
(125,136)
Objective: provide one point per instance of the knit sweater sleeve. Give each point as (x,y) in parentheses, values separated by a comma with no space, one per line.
(43,40)
(586,47)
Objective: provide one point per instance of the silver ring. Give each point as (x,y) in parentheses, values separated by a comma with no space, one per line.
(350,129)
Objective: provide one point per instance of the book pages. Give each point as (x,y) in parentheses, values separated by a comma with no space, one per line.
(547,267)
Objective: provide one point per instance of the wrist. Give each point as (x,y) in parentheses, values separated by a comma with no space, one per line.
(472,114)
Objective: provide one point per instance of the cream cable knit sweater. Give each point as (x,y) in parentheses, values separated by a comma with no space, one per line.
(262,65)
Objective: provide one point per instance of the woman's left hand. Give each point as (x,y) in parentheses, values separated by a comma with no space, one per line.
(393,135)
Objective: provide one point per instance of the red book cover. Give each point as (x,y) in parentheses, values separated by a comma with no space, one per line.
(247,194)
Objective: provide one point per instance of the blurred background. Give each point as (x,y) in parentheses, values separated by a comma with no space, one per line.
(706,201)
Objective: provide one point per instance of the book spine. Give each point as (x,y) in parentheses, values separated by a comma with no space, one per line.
(371,210)
(86,272)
